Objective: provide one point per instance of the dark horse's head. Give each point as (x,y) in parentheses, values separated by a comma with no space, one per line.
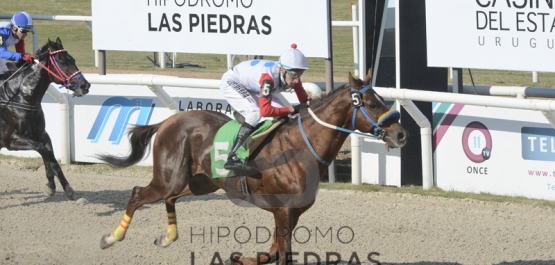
(370,114)
(61,68)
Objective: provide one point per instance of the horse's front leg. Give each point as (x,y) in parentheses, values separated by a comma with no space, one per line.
(44,148)
(53,168)
(262,258)
(285,220)
(50,188)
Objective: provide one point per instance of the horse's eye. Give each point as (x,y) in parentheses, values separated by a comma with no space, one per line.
(373,105)
(65,58)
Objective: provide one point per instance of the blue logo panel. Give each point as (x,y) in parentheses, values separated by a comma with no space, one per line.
(127,107)
(538,143)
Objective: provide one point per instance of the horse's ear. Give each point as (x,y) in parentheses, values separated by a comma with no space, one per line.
(58,40)
(368,78)
(352,81)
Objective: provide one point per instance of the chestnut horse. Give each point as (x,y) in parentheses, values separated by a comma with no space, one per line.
(290,162)
(22,124)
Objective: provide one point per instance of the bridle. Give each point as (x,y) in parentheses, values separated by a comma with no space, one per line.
(60,74)
(356,102)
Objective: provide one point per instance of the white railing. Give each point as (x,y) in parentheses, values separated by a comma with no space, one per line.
(405,97)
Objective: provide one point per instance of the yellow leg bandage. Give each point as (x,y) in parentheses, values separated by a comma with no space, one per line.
(119,233)
(171,235)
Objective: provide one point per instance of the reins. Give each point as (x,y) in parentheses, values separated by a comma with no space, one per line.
(299,122)
(14,73)
(356,102)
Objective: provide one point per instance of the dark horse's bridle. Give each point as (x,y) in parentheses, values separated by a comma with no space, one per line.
(61,75)
(356,102)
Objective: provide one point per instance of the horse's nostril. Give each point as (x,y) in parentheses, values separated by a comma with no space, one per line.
(401,136)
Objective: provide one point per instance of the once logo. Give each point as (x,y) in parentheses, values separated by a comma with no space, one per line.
(476,142)
(126,108)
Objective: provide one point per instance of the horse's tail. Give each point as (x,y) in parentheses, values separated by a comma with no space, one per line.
(139,139)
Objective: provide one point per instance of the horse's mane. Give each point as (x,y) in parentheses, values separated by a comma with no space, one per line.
(49,44)
(325,96)
(43,49)
(322,99)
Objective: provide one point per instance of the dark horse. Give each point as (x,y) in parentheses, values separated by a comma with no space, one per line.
(22,125)
(182,165)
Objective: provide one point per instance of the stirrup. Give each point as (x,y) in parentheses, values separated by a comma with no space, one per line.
(233,162)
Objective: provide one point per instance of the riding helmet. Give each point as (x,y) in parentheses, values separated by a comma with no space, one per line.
(22,20)
(293,59)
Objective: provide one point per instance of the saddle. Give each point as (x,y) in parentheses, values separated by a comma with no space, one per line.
(223,141)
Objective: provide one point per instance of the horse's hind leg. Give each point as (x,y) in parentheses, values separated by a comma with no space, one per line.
(171,234)
(139,197)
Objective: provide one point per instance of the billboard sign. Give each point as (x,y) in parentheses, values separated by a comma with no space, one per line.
(489,34)
(494,150)
(250,27)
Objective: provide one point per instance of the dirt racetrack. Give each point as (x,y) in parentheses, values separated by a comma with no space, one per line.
(365,227)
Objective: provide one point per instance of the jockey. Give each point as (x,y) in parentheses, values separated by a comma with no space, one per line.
(14,33)
(249,88)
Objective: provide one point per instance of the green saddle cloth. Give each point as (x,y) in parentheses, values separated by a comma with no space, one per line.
(224,139)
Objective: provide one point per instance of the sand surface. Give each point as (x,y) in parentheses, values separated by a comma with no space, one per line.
(364,227)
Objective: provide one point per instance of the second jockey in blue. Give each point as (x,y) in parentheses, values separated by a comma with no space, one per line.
(13,33)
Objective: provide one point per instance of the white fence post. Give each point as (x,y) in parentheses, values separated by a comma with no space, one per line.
(65,148)
(356,176)
(354,12)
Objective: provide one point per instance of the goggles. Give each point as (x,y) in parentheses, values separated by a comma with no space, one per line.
(294,74)
(24,30)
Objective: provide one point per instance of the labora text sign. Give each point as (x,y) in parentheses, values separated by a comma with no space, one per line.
(250,27)
(491,34)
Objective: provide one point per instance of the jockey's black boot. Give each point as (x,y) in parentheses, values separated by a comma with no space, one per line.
(233,162)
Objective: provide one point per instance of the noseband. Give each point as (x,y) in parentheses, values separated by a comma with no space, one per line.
(60,74)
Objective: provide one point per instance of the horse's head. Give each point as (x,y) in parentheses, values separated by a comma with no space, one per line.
(61,68)
(370,114)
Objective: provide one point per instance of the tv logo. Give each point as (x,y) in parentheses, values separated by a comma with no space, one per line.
(477,142)
(126,108)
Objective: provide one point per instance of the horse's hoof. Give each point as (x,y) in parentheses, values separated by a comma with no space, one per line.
(231,262)
(235,260)
(107,241)
(49,191)
(70,193)
(161,241)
